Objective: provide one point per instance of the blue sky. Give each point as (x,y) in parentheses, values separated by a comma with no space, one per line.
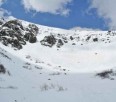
(78,13)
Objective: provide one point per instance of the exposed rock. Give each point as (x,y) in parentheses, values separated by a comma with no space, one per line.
(65,41)
(14,24)
(71,38)
(1,22)
(95,39)
(15,34)
(109,31)
(2,69)
(32,39)
(88,38)
(73,44)
(33,28)
(16,44)
(9,36)
(26,36)
(60,43)
(48,41)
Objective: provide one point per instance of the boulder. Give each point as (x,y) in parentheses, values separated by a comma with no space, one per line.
(71,38)
(60,43)
(2,69)
(32,39)
(48,41)
(33,29)
(95,39)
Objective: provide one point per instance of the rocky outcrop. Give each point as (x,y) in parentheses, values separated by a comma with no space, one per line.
(33,29)
(48,41)
(15,34)
(14,25)
(31,33)
(30,37)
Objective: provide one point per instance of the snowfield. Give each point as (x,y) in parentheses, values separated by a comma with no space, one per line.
(38,73)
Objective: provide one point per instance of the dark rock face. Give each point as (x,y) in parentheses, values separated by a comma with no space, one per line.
(33,28)
(14,24)
(2,69)
(26,36)
(10,34)
(95,39)
(15,34)
(60,43)
(32,39)
(48,41)
(71,38)
(1,22)
(11,37)
(88,38)
(31,34)
(17,44)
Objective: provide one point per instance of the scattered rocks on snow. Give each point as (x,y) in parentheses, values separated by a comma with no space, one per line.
(15,34)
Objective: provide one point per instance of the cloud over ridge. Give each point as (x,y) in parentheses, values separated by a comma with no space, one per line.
(107,10)
(47,6)
(3,12)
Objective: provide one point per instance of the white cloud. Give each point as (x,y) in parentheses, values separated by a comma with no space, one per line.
(1,2)
(3,12)
(107,10)
(47,6)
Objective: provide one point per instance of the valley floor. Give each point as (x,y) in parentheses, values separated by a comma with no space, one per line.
(34,80)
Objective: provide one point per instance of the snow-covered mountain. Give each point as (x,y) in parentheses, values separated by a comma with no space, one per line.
(46,64)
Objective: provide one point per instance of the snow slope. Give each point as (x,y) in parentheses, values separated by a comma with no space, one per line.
(39,73)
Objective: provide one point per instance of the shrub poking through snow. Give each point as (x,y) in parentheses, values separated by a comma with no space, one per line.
(46,87)
(106,74)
